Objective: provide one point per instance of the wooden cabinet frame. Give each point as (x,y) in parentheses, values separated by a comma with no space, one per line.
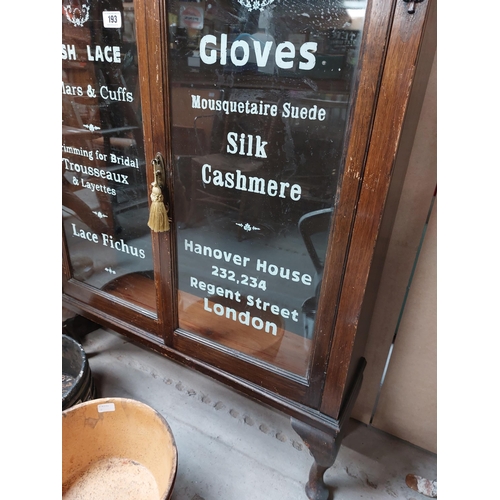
(397,52)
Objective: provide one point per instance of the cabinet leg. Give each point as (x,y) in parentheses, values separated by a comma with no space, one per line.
(325,444)
(324,448)
(316,488)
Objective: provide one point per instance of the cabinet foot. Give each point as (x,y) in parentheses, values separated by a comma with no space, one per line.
(316,489)
(324,448)
(324,444)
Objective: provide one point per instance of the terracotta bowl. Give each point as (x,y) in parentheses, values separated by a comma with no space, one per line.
(116,449)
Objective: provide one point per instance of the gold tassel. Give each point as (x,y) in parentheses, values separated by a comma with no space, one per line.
(158,215)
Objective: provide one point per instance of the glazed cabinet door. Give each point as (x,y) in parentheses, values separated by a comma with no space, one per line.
(269,112)
(108,247)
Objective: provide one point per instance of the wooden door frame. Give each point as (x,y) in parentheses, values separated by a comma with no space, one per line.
(308,391)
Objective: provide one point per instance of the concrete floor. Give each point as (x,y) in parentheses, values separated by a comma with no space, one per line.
(233,448)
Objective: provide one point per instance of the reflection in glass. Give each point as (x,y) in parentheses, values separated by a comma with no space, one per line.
(105,197)
(260,98)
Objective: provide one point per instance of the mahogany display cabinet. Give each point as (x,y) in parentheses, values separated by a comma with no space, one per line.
(276,133)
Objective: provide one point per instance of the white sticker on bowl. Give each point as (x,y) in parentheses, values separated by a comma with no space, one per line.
(106,407)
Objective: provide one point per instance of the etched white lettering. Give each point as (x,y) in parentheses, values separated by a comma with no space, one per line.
(108,54)
(242,317)
(241,51)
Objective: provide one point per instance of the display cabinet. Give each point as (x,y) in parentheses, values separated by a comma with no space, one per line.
(277,133)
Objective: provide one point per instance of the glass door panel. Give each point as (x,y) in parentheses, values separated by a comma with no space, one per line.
(105,193)
(260,98)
